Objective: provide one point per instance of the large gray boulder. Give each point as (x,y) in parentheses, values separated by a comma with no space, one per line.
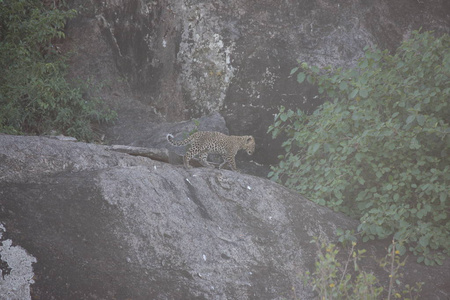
(82,221)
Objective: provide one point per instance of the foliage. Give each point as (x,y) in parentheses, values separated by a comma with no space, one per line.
(194,130)
(332,278)
(379,150)
(35,97)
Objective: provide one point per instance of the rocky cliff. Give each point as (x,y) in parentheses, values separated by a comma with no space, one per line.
(173,60)
(83,221)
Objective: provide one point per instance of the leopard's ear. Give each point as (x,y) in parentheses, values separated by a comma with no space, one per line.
(250,139)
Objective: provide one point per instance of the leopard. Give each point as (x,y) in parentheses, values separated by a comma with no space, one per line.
(203,143)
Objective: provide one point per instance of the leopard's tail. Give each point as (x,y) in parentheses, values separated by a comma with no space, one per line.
(178,143)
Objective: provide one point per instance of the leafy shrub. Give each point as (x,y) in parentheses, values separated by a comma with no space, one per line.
(379,149)
(334,278)
(35,97)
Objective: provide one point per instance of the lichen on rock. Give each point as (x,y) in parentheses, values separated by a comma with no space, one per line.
(16,270)
(205,59)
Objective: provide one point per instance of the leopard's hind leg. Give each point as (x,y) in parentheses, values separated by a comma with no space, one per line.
(203,160)
(230,160)
(187,157)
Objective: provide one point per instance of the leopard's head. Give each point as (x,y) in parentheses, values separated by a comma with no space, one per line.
(249,145)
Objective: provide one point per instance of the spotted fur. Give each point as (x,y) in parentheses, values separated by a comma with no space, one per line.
(205,142)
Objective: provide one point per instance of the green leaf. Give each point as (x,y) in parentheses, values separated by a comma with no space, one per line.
(363,64)
(314,148)
(443,197)
(354,93)
(363,93)
(401,248)
(343,85)
(410,119)
(424,240)
(420,119)
(359,157)
(301,77)
(294,70)
(414,144)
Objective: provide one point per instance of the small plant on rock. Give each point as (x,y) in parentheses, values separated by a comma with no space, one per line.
(336,279)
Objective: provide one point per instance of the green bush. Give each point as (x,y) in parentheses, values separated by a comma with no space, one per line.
(35,97)
(379,149)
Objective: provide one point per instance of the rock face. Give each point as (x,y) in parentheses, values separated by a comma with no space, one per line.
(100,224)
(173,60)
